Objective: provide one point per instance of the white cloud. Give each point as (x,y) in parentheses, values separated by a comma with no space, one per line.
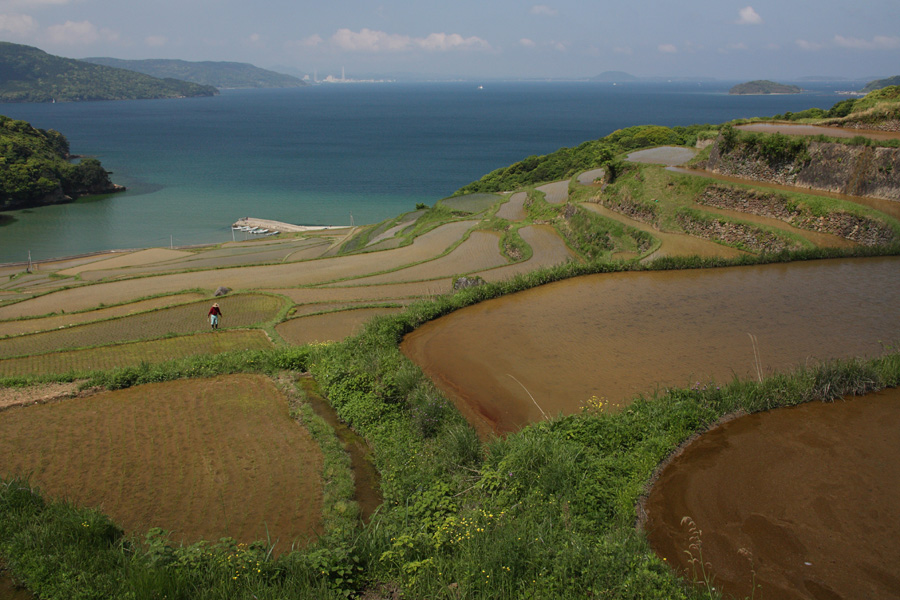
(527,43)
(748,16)
(18,25)
(667,48)
(368,40)
(879,42)
(559,46)
(543,10)
(806,45)
(623,50)
(452,41)
(156,41)
(82,32)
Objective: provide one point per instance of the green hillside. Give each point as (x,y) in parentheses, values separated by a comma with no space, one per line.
(217,74)
(28,74)
(35,170)
(881,83)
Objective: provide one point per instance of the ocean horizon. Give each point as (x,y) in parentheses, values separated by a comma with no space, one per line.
(331,154)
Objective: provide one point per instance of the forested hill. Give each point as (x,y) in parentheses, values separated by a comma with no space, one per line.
(763,86)
(881,83)
(217,74)
(28,74)
(35,168)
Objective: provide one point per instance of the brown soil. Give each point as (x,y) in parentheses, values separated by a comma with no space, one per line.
(204,458)
(37,394)
(800,501)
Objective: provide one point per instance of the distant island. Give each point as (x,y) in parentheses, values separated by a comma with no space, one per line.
(880,83)
(35,168)
(763,86)
(222,75)
(614,77)
(28,74)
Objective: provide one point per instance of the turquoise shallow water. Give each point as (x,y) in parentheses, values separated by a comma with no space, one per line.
(321,154)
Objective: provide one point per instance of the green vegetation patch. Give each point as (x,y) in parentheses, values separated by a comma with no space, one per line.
(34,167)
(240,310)
(567,162)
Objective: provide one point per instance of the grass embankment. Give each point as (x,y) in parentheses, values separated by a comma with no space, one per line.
(547,512)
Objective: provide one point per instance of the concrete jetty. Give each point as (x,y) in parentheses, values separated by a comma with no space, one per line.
(281,227)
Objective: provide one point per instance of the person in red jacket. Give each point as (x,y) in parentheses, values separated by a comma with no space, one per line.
(214,314)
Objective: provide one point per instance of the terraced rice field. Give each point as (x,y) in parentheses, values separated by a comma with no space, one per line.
(471,203)
(548,250)
(424,247)
(556,192)
(671,244)
(242,310)
(229,256)
(65,320)
(205,458)
(480,251)
(135,353)
(671,156)
(330,327)
(590,177)
(350,291)
(514,208)
(129,259)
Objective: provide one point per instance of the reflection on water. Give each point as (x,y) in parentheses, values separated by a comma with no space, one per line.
(617,335)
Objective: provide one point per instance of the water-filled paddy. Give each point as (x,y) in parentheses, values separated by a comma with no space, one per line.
(617,335)
(802,500)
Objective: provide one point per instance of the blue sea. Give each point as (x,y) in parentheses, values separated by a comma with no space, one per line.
(327,154)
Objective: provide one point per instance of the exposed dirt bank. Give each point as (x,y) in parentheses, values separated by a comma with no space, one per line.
(863,230)
(802,501)
(855,170)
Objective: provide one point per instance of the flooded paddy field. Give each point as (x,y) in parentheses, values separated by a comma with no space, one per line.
(508,362)
(801,502)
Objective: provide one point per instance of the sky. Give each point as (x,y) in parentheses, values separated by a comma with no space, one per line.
(762,39)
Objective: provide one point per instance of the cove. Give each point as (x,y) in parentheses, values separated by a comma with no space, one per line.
(514,360)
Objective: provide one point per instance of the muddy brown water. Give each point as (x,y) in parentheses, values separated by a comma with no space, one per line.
(801,502)
(510,361)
